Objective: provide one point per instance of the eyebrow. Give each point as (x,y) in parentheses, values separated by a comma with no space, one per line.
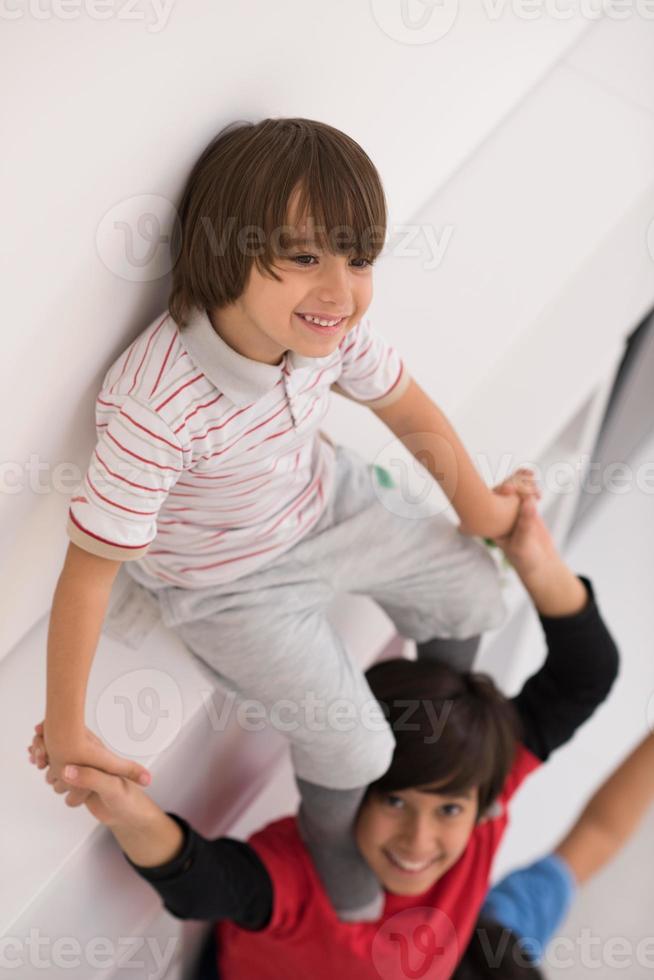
(455,795)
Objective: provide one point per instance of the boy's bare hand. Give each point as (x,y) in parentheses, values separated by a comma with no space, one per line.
(113,800)
(529,547)
(85,750)
(506,499)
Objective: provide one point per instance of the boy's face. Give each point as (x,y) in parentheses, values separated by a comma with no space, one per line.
(265,321)
(411,837)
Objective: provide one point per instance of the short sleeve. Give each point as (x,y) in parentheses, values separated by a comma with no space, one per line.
(136,461)
(532,902)
(372,371)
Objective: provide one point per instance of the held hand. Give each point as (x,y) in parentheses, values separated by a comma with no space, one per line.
(529,547)
(86,750)
(553,588)
(506,501)
(113,800)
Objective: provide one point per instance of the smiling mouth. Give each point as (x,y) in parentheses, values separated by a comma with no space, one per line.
(411,867)
(333,330)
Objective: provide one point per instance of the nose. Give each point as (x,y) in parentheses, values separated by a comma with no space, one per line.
(420,838)
(334,288)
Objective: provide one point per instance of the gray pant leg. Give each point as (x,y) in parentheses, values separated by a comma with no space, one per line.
(459,654)
(326,823)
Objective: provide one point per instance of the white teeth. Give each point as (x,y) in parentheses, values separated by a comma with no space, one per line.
(409,865)
(322,323)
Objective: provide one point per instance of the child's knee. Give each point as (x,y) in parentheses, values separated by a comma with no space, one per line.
(368,755)
(352,759)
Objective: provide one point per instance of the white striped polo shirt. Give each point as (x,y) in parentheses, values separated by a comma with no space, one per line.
(209,464)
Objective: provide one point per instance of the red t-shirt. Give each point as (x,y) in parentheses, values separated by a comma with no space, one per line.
(416,937)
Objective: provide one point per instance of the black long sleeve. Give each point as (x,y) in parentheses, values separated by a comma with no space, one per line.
(212,880)
(576,677)
(225,878)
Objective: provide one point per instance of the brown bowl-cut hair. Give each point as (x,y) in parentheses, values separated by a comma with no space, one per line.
(452,730)
(235,204)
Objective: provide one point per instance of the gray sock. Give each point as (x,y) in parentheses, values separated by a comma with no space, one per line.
(459,654)
(326,824)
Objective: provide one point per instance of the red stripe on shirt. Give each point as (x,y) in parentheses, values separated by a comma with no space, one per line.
(114,544)
(177,391)
(147,348)
(173,469)
(139,486)
(161,369)
(130,510)
(149,431)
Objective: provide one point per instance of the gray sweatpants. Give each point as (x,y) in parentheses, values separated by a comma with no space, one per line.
(267,636)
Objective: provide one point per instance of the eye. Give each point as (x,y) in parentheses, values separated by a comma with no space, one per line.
(298,260)
(451,809)
(392,801)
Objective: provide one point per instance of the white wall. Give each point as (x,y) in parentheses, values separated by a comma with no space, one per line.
(532,138)
(103,112)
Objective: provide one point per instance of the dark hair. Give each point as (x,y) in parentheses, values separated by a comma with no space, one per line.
(495,953)
(451,728)
(243,180)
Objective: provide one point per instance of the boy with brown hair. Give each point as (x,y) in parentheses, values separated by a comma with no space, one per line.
(211,482)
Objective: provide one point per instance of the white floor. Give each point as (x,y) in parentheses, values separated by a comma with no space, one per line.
(611,927)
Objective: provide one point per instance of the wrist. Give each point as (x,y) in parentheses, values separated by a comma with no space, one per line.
(545,571)
(555,590)
(63,737)
(504,513)
(151,838)
(64,725)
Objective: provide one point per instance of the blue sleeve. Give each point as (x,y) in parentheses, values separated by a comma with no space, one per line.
(532,902)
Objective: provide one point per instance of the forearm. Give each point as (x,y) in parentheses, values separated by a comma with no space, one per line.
(554,588)
(613,813)
(78,610)
(481,511)
(153,840)
(425,430)
(633,781)
(210,879)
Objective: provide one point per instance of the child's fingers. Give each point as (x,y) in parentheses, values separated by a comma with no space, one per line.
(528,510)
(39,753)
(59,786)
(93,780)
(117,766)
(524,482)
(505,488)
(77,796)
